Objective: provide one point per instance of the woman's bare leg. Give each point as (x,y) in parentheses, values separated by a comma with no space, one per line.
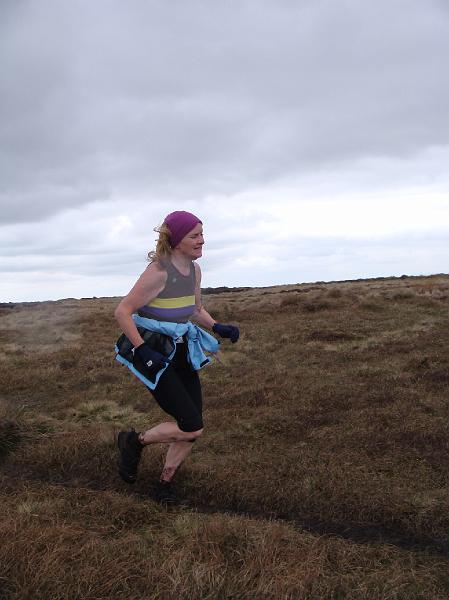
(180,445)
(167,433)
(176,455)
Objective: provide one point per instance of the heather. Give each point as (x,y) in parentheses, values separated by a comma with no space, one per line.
(322,472)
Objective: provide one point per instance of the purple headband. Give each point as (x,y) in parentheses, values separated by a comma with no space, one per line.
(180,223)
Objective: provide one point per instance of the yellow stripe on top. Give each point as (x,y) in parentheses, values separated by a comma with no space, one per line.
(173,302)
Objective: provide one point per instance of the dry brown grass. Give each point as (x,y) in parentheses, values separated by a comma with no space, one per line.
(323,471)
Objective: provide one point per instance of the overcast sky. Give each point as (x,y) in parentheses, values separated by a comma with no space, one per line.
(310,136)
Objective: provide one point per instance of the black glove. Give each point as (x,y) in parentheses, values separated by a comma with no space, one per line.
(148,361)
(227,331)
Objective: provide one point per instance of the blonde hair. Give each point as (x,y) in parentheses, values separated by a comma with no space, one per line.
(163,250)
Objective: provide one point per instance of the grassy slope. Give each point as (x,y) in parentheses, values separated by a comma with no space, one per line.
(323,471)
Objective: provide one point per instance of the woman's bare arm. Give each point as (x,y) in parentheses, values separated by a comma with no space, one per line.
(148,286)
(201,316)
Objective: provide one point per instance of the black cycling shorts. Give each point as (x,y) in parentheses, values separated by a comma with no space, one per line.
(178,392)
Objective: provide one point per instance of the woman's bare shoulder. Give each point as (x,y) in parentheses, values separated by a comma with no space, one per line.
(154,277)
(155,271)
(148,286)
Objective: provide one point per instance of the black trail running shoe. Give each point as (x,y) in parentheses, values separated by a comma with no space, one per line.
(130,451)
(165,494)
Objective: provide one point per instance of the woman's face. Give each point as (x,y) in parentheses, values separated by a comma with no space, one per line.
(192,244)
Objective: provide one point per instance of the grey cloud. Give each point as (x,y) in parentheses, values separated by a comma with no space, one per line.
(187,99)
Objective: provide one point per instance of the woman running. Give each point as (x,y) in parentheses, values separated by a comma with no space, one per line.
(164,300)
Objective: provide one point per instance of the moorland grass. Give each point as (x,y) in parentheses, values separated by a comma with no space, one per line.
(322,472)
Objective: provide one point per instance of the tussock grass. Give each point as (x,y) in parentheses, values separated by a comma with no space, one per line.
(322,473)
(10,436)
(19,426)
(112,545)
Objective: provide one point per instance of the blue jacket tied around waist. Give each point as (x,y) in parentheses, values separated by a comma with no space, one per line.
(198,341)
